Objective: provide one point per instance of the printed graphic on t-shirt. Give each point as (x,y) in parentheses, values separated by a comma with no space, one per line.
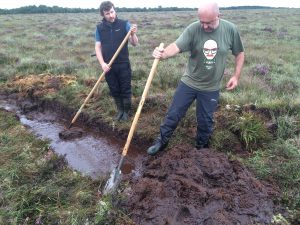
(210,50)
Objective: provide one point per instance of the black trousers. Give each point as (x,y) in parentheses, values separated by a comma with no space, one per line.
(119,80)
(206,105)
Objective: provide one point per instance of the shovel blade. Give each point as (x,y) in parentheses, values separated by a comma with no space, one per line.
(113,182)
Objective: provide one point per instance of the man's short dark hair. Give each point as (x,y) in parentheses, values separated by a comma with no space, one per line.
(105,6)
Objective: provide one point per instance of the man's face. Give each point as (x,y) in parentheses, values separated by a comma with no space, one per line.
(209,22)
(110,15)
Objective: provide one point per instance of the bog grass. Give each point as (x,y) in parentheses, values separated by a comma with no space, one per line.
(62,43)
(37,187)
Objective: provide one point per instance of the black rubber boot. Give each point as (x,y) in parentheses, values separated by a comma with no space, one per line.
(156,147)
(200,146)
(127,107)
(120,108)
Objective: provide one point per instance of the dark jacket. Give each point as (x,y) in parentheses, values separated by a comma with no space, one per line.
(112,34)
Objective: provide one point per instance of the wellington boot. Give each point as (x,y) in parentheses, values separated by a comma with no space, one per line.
(125,116)
(120,108)
(200,145)
(156,147)
(127,107)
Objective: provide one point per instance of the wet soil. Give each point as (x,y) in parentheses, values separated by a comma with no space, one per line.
(94,154)
(188,186)
(178,186)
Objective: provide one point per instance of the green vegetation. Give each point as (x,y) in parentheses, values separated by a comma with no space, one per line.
(37,187)
(60,44)
(32,9)
(251,130)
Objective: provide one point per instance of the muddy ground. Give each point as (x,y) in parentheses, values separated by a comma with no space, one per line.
(188,186)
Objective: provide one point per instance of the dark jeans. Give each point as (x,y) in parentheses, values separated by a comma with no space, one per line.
(119,80)
(206,105)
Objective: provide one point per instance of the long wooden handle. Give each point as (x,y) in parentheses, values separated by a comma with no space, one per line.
(138,112)
(101,78)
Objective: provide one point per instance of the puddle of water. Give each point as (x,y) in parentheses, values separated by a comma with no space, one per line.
(92,155)
(8,107)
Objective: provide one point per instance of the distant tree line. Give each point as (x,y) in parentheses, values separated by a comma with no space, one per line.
(44,9)
(55,9)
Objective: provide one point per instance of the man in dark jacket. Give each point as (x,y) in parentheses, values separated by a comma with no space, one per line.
(110,32)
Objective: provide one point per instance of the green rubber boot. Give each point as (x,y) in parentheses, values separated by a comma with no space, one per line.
(127,107)
(156,147)
(120,108)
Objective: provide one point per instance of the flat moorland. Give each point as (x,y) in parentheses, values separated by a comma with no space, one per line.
(257,124)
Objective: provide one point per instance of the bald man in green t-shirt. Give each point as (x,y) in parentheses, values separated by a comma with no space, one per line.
(208,40)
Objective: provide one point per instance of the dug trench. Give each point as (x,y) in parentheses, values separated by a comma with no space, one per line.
(179,186)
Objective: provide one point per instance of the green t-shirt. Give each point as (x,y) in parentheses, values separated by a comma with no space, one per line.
(208,52)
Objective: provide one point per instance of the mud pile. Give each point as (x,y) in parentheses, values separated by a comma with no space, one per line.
(187,186)
(41,84)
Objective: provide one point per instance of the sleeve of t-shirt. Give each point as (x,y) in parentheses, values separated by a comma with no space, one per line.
(128,25)
(97,35)
(183,42)
(237,45)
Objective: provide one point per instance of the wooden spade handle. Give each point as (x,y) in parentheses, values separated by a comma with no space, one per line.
(138,112)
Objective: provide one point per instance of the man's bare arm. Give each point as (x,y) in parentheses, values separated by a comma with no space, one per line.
(239,62)
(169,51)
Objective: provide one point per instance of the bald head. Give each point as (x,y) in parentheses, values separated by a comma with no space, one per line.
(209,8)
(209,15)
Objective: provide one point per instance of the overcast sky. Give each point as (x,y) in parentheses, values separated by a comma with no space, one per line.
(9,4)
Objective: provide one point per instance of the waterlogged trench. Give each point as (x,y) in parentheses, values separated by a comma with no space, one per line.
(181,186)
(94,155)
